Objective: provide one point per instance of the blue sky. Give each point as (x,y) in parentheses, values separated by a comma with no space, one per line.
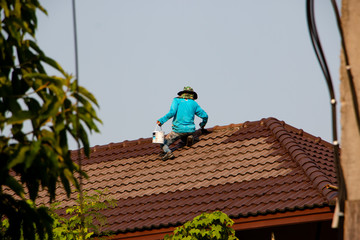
(247,60)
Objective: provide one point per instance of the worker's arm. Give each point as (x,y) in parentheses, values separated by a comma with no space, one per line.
(203,115)
(170,114)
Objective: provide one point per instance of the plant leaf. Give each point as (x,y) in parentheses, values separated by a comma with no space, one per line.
(12,183)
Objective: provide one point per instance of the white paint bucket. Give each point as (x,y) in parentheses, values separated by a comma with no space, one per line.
(158,136)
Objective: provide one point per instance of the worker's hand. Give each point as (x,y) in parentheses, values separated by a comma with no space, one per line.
(202,125)
(158,123)
(204,131)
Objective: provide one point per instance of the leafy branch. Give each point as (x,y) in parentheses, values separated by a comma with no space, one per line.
(207,226)
(38,115)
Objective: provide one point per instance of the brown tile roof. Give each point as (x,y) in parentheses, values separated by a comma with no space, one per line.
(250,169)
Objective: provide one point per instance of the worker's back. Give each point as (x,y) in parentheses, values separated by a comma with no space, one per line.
(184,111)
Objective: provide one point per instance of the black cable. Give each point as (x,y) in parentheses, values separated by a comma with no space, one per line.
(82,218)
(317,46)
(347,65)
(322,61)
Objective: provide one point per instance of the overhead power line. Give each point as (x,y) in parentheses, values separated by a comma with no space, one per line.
(342,194)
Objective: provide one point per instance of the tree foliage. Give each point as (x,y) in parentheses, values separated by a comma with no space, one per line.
(70,226)
(38,113)
(207,226)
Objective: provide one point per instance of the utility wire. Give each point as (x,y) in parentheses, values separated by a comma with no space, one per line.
(82,233)
(324,67)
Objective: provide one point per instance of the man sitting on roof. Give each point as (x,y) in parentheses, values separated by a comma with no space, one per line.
(183,109)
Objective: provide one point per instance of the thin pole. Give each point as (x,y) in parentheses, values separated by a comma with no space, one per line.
(82,233)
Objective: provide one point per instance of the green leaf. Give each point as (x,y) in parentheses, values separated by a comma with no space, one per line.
(88,120)
(14,106)
(34,150)
(18,24)
(84,139)
(49,110)
(32,104)
(14,185)
(17,8)
(54,64)
(19,158)
(4,5)
(216,231)
(45,78)
(34,46)
(20,117)
(67,177)
(88,235)
(88,95)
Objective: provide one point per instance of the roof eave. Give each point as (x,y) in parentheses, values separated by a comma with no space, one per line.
(245,223)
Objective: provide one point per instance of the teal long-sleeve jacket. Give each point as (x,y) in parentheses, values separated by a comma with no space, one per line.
(183,112)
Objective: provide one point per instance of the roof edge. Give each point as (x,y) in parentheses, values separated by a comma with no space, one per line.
(284,218)
(244,223)
(317,177)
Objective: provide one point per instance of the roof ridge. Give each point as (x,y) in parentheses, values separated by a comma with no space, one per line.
(226,127)
(216,128)
(316,176)
(140,141)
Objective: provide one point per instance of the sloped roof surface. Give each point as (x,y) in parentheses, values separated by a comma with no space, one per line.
(248,169)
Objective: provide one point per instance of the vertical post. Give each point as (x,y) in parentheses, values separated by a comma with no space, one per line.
(350,139)
(82,233)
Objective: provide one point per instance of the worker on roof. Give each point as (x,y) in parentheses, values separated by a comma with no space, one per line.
(183,110)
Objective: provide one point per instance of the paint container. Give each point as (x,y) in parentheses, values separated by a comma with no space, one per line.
(158,136)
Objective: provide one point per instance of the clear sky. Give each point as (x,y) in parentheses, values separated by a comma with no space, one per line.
(247,60)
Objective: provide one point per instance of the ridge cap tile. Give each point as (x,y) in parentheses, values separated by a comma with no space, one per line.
(297,153)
